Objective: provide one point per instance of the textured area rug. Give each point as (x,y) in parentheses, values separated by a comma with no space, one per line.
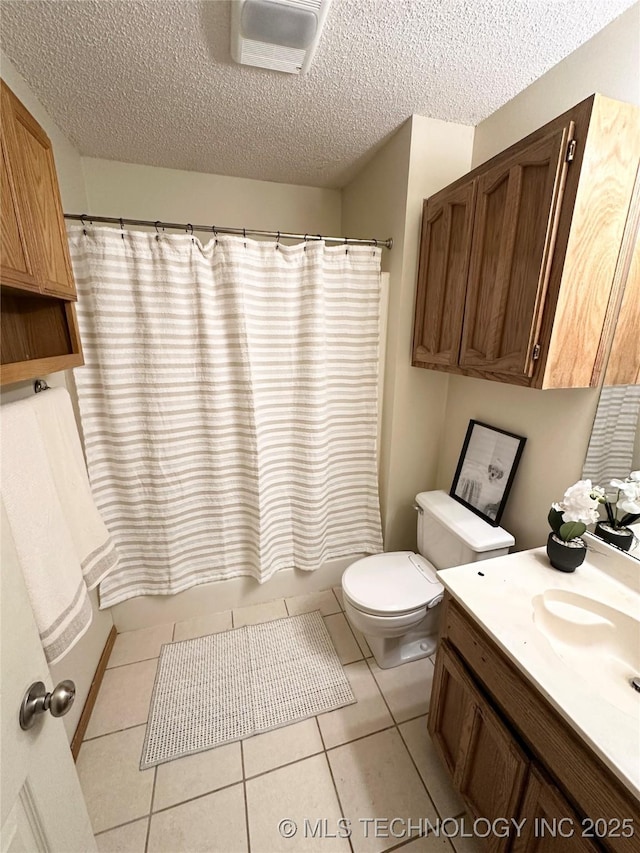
(227,686)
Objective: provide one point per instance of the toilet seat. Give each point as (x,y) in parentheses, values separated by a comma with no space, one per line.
(392,584)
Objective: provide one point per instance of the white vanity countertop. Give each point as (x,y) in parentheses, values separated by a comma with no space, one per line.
(502,602)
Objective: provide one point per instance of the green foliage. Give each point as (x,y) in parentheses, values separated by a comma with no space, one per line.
(571,530)
(555,520)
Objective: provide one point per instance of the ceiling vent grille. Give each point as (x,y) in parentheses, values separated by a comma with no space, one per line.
(280,35)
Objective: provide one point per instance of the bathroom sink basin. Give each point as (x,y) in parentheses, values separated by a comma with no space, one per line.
(599,643)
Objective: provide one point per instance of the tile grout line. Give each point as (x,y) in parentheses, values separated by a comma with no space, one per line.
(120,825)
(114,732)
(132,662)
(333,781)
(355,640)
(424,784)
(153,794)
(246,799)
(196,797)
(397,728)
(364,656)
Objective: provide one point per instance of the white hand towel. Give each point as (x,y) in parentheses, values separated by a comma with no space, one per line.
(46,551)
(93,542)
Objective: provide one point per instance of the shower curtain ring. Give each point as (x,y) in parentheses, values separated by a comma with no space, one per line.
(215,235)
(84,224)
(278,241)
(244,234)
(156,223)
(346,247)
(306,237)
(189,230)
(122,227)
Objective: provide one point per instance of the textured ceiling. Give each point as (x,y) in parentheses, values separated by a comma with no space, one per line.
(152,81)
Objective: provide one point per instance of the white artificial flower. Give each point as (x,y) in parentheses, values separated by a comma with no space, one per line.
(578,504)
(635,475)
(630,506)
(630,488)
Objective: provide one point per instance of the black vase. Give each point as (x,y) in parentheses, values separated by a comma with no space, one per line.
(565,556)
(621,537)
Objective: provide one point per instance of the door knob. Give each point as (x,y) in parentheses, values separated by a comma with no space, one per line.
(36,701)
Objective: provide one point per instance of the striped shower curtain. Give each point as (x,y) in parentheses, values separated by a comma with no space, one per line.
(228,404)
(614,435)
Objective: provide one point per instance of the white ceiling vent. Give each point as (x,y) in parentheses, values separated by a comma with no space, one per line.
(281,35)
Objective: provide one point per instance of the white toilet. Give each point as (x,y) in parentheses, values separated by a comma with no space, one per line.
(392,598)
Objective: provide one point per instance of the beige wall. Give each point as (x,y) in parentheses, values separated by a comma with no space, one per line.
(385,200)
(557,423)
(609,63)
(80,664)
(149,192)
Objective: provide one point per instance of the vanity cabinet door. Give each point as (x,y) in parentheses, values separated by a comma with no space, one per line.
(550,823)
(516,217)
(487,766)
(445,248)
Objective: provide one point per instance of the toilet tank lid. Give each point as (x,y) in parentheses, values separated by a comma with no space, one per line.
(479,535)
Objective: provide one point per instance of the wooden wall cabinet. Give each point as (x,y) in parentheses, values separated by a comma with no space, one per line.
(520,260)
(511,755)
(39,327)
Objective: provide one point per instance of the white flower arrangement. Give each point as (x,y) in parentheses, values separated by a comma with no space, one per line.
(578,507)
(626,500)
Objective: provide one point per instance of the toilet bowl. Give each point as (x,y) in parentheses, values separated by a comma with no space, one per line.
(393,598)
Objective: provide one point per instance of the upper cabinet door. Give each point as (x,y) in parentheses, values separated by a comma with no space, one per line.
(37,197)
(445,249)
(16,265)
(516,214)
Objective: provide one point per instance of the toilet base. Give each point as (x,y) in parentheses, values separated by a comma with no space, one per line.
(394,651)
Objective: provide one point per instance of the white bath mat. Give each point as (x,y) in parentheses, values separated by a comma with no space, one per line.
(227,686)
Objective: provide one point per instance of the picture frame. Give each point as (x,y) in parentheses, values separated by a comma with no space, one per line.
(486,470)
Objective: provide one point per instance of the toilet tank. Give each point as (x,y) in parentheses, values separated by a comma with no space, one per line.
(449,534)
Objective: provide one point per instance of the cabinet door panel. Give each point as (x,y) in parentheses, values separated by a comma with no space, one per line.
(451,707)
(16,266)
(445,249)
(491,778)
(488,767)
(550,823)
(42,196)
(515,223)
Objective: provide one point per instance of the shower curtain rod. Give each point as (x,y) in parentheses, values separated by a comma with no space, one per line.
(215,229)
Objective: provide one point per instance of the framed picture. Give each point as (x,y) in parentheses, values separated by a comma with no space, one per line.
(486,469)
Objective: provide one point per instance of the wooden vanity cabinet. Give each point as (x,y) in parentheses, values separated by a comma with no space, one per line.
(38,322)
(517,272)
(475,745)
(551,825)
(510,753)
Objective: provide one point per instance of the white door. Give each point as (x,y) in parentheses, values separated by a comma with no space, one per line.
(41,804)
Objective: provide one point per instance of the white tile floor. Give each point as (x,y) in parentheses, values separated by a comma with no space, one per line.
(373,759)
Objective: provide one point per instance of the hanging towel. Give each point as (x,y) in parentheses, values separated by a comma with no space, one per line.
(45,548)
(92,540)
